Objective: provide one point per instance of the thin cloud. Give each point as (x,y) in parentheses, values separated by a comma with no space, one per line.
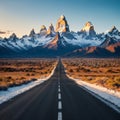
(2,32)
(5,32)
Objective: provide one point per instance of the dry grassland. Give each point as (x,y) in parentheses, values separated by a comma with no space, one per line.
(103,72)
(16,72)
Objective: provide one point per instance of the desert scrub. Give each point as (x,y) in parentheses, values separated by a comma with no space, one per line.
(17,72)
(103,72)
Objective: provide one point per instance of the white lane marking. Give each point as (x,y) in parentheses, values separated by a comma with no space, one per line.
(58,89)
(59,96)
(59,102)
(59,115)
(59,105)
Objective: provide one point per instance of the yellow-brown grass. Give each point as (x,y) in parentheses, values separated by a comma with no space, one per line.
(103,72)
(16,72)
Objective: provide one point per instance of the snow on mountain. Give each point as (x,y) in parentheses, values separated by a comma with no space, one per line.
(54,43)
(112,36)
(108,41)
(12,43)
(59,39)
(25,43)
(35,41)
(77,39)
(114,33)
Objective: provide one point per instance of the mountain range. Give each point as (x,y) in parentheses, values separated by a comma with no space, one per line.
(60,41)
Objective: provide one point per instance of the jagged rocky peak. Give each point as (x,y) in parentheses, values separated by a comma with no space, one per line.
(62,25)
(54,43)
(13,36)
(43,30)
(114,30)
(43,27)
(108,41)
(87,26)
(89,29)
(32,33)
(50,29)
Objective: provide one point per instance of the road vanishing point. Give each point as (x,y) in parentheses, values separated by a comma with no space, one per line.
(58,98)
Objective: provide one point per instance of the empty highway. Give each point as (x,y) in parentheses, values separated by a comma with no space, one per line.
(58,98)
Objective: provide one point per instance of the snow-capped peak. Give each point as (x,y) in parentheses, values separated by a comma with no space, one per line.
(113,33)
(87,26)
(13,36)
(88,29)
(114,30)
(62,25)
(43,30)
(60,39)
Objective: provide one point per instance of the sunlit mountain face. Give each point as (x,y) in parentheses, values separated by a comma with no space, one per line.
(61,41)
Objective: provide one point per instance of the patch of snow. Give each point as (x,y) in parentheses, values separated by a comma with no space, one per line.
(14,91)
(15,45)
(109,97)
(106,32)
(79,41)
(44,40)
(117,37)
(10,46)
(26,43)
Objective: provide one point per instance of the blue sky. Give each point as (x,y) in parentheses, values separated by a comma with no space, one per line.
(20,16)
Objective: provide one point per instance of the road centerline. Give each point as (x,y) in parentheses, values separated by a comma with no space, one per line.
(59,102)
(59,96)
(59,105)
(58,89)
(59,115)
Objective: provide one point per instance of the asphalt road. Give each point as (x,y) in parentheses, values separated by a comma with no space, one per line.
(59,98)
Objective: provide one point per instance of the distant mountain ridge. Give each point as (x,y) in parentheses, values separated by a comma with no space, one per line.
(60,41)
(97,52)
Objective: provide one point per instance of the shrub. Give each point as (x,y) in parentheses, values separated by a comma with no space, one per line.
(71,70)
